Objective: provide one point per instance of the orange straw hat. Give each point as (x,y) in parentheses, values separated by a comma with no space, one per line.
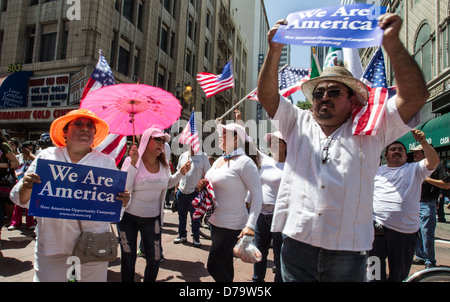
(57,132)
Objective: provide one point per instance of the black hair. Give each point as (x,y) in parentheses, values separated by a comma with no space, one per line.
(394,143)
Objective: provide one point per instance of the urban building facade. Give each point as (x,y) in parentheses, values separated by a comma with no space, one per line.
(49,49)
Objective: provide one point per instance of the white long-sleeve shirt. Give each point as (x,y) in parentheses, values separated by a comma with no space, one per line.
(58,236)
(329,205)
(231,182)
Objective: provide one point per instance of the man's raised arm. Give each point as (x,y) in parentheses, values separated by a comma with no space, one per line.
(268,94)
(412,92)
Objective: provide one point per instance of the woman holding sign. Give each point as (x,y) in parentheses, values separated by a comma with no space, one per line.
(148,179)
(75,135)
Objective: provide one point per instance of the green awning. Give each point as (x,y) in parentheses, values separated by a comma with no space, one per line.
(437,132)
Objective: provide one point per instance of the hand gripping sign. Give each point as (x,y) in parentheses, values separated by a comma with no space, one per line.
(351,26)
(70,191)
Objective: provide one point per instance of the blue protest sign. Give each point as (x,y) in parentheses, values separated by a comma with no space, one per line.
(351,26)
(71,191)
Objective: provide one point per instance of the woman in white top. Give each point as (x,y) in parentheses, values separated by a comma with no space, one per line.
(270,173)
(148,179)
(232,176)
(75,135)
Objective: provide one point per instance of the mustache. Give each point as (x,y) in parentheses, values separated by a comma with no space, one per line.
(326,102)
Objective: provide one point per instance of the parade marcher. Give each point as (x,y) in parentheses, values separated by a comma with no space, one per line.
(324,204)
(396,207)
(232,176)
(8,160)
(148,179)
(270,173)
(26,157)
(186,193)
(431,189)
(75,134)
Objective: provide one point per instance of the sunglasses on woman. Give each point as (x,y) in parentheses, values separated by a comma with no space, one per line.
(158,139)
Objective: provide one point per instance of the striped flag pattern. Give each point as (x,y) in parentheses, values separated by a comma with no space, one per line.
(189,136)
(204,203)
(367,120)
(213,84)
(114,145)
(291,79)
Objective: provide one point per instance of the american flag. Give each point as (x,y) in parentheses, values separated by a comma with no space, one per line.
(213,84)
(190,135)
(290,80)
(102,76)
(367,120)
(205,202)
(114,145)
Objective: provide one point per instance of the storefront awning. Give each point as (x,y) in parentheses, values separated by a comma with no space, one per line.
(14,89)
(437,132)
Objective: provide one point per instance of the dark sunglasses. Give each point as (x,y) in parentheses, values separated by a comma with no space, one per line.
(333,93)
(158,139)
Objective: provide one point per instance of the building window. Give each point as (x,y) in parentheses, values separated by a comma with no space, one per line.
(445,56)
(164,38)
(136,64)
(123,60)
(64,43)
(31,31)
(128,8)
(172,45)
(190,28)
(48,47)
(423,51)
(188,61)
(140,17)
(166,4)
(161,78)
(4,6)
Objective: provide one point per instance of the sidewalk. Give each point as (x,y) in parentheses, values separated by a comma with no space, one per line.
(183,262)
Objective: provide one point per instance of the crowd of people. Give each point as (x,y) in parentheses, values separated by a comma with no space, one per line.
(321,198)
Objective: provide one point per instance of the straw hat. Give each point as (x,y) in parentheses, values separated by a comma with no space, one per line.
(417,148)
(341,75)
(57,132)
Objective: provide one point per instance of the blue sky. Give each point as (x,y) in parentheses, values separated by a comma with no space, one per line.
(280,9)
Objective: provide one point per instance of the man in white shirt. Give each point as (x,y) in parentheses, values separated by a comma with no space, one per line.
(396,205)
(324,204)
(186,193)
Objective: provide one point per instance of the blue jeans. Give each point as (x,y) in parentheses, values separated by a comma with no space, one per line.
(184,204)
(150,229)
(425,242)
(302,262)
(263,236)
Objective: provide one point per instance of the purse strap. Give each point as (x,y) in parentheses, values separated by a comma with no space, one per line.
(79,225)
(81,228)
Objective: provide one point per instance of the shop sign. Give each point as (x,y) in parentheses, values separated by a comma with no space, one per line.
(14,116)
(48,91)
(77,83)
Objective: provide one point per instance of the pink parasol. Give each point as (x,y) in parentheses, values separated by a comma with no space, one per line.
(129,109)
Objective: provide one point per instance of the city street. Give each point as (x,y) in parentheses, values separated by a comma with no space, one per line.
(183,262)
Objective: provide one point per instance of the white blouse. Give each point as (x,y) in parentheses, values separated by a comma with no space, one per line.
(58,236)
